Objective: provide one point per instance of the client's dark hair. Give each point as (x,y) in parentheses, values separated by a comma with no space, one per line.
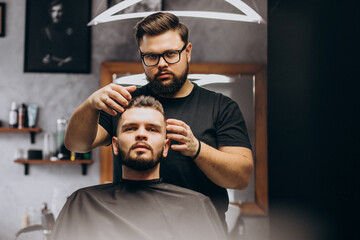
(146,102)
(158,23)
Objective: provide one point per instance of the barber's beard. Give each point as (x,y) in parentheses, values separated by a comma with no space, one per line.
(139,163)
(168,90)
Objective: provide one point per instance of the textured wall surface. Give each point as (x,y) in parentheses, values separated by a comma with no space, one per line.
(59,94)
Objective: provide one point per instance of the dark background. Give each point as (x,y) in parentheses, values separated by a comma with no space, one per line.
(313,112)
(2,19)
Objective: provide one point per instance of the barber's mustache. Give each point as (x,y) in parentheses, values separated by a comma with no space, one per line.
(160,72)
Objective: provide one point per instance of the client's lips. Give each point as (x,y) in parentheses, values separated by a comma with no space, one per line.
(140,146)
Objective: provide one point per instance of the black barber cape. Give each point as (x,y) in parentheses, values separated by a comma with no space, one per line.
(135,210)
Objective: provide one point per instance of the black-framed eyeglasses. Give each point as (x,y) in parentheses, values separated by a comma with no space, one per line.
(171,57)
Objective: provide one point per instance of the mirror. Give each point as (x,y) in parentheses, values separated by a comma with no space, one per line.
(244,83)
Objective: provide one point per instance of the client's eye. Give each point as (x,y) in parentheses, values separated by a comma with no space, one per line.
(127,129)
(153,130)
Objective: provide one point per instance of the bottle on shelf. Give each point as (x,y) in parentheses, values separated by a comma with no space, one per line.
(13,116)
(62,151)
(25,220)
(22,117)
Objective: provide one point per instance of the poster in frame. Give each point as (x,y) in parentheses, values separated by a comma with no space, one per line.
(57,38)
(2,19)
(143,6)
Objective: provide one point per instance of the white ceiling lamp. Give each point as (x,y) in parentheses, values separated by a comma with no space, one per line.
(199,79)
(249,15)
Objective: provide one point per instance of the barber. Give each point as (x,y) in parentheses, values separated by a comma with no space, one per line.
(210,148)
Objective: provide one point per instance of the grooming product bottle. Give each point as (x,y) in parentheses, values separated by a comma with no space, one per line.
(25,220)
(13,116)
(22,117)
(62,152)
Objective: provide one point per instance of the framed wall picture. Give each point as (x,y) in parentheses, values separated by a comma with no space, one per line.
(2,19)
(143,6)
(57,38)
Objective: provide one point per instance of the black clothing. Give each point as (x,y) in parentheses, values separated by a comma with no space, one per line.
(214,119)
(137,210)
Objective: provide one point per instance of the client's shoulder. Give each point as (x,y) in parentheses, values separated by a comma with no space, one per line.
(178,191)
(95,189)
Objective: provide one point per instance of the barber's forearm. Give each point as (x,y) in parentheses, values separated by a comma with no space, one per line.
(228,167)
(82,128)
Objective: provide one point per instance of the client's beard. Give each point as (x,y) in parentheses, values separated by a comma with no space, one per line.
(139,163)
(170,89)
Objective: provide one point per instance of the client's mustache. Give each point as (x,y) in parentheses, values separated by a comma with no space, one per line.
(141,144)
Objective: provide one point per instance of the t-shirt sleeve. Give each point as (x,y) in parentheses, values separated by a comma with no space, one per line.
(105,120)
(231,128)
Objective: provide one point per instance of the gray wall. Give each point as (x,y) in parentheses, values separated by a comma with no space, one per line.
(59,94)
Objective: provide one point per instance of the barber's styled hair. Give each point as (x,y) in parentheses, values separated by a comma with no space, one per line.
(158,23)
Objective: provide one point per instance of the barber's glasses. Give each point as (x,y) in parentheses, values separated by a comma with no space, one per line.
(171,57)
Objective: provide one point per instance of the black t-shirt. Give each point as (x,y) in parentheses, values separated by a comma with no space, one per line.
(214,119)
(134,210)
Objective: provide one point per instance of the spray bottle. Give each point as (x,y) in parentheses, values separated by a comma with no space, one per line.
(13,116)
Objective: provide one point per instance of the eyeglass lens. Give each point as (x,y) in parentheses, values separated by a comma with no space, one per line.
(170,57)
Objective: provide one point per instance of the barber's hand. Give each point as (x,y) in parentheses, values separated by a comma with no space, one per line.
(181,132)
(108,97)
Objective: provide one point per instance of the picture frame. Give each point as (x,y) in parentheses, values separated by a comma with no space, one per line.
(2,19)
(143,6)
(57,38)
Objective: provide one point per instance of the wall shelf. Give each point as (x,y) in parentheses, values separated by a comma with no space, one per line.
(27,162)
(32,131)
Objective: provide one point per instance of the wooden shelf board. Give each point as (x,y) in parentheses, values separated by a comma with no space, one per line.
(7,129)
(27,163)
(40,161)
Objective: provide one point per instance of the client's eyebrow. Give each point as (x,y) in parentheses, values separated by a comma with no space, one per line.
(154,125)
(129,125)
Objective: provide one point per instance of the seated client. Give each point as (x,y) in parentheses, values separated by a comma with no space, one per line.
(140,206)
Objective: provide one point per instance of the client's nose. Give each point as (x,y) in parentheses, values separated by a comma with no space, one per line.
(141,135)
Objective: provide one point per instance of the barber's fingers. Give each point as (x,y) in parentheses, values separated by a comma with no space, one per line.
(177,137)
(112,98)
(123,91)
(108,105)
(178,129)
(186,145)
(106,108)
(177,122)
(177,126)
(183,148)
(180,132)
(117,94)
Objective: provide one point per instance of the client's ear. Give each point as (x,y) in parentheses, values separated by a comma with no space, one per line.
(115,145)
(166,147)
